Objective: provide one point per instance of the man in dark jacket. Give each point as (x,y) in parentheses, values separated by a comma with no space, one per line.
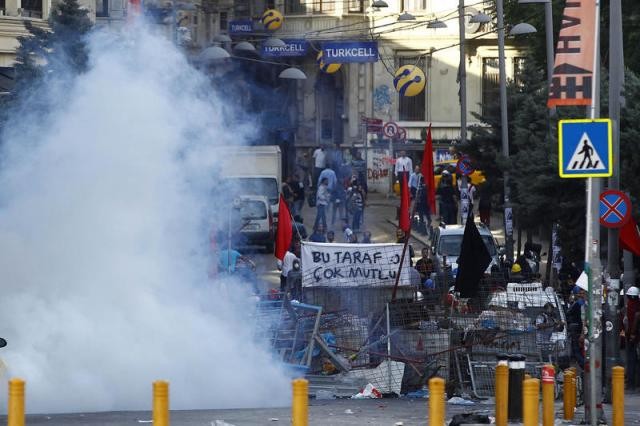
(574,321)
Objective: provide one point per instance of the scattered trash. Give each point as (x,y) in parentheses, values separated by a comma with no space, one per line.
(221,423)
(368,392)
(422,393)
(398,424)
(274,419)
(325,394)
(469,418)
(456,400)
(348,411)
(145,421)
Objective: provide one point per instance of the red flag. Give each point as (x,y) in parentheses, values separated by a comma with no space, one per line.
(427,172)
(630,238)
(405,223)
(285,230)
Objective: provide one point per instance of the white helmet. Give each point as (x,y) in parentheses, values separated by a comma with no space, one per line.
(633,291)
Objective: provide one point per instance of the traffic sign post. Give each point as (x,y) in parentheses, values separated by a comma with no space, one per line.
(390,129)
(615,209)
(584,148)
(464,167)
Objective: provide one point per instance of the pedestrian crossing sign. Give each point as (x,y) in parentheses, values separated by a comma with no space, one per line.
(584,148)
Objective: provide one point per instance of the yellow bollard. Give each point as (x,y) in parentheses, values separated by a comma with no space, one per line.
(160,403)
(502,395)
(16,403)
(527,377)
(617,396)
(548,395)
(300,404)
(567,395)
(530,398)
(436,402)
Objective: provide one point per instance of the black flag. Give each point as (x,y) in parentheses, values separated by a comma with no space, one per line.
(473,260)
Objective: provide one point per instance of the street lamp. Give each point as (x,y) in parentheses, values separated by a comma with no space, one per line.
(274,42)
(213,53)
(379,4)
(222,38)
(245,46)
(435,24)
(521,29)
(406,16)
(292,74)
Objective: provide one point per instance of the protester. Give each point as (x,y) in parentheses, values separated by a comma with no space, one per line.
(424,265)
(331,236)
(288,193)
(318,235)
(357,207)
(298,195)
(322,201)
(484,206)
(330,176)
(298,227)
(359,169)
(574,321)
(422,208)
(366,237)
(447,198)
(338,203)
(347,232)
(631,322)
(414,182)
(403,167)
(286,264)
(320,162)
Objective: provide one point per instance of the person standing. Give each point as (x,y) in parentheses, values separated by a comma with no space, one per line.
(414,182)
(404,166)
(323,197)
(298,196)
(286,264)
(446,195)
(424,265)
(318,235)
(338,203)
(574,322)
(357,207)
(484,206)
(319,162)
(330,176)
(359,169)
(288,194)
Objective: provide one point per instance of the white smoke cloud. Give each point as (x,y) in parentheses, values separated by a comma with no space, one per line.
(105,207)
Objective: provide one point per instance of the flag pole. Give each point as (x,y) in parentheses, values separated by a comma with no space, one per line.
(406,241)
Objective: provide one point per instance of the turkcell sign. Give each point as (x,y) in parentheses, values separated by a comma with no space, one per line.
(349,52)
(291,48)
(241,26)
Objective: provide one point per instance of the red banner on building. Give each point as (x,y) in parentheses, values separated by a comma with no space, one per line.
(573,69)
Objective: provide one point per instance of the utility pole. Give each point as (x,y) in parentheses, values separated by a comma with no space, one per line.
(462,71)
(592,267)
(504,124)
(616,79)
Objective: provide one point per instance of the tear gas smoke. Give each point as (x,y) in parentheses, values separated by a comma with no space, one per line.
(106,202)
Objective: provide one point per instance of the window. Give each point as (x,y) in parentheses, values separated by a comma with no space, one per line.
(490,83)
(412,5)
(324,6)
(295,7)
(356,6)
(102,8)
(412,108)
(32,8)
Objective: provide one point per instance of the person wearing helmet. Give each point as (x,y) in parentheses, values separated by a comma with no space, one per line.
(631,322)
(546,323)
(574,321)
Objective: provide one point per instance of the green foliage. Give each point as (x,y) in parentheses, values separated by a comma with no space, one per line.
(60,48)
(629,137)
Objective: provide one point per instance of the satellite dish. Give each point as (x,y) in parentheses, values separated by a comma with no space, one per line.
(470,27)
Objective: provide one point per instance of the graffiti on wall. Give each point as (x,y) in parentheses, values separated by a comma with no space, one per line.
(382,100)
(379,169)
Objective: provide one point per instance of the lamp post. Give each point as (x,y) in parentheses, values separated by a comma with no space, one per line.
(504,124)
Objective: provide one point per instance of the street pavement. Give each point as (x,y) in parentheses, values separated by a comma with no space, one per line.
(383,412)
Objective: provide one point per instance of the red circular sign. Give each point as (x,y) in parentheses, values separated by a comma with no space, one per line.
(464,167)
(402,133)
(615,209)
(390,129)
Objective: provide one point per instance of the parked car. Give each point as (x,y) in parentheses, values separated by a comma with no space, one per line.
(447,242)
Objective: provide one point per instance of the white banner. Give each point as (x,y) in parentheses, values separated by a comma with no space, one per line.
(353,265)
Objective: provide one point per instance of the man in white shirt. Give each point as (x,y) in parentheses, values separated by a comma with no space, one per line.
(404,166)
(414,182)
(320,162)
(331,177)
(285,266)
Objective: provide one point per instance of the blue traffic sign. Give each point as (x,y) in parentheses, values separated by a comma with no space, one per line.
(464,167)
(585,148)
(615,208)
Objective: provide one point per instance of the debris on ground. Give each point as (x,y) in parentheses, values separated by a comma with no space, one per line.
(348,411)
(470,418)
(456,400)
(422,393)
(325,394)
(369,391)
